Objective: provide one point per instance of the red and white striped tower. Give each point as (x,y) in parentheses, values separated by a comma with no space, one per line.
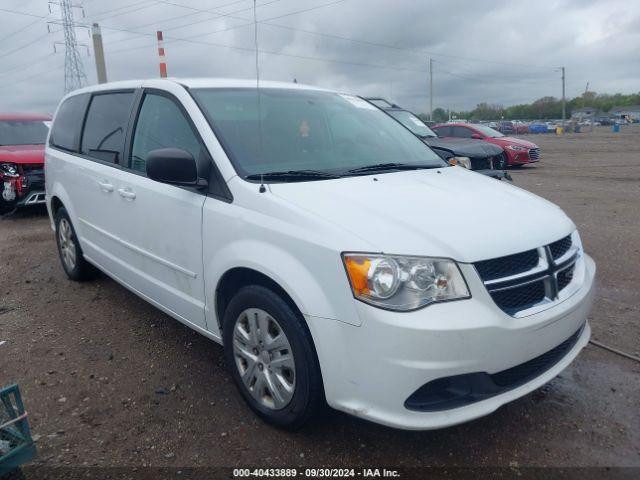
(161,56)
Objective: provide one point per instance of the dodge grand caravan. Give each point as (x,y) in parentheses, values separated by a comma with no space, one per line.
(334,255)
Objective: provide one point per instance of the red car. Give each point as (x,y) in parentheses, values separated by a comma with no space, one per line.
(22,138)
(519,152)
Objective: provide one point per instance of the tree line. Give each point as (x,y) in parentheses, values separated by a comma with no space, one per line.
(544,108)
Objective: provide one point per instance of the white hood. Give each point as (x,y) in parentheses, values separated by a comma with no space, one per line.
(449,212)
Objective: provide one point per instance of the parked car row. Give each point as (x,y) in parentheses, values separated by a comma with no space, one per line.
(336,257)
(469,153)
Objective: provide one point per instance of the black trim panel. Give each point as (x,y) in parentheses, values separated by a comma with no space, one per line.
(461,390)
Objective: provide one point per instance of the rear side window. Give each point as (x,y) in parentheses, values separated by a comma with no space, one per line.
(65,132)
(106,126)
(462,132)
(443,131)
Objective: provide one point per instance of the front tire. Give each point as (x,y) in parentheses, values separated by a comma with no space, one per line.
(503,162)
(71,256)
(272,359)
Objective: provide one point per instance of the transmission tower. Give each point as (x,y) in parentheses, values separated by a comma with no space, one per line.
(74,76)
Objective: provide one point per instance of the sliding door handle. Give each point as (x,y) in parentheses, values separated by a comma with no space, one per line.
(127,193)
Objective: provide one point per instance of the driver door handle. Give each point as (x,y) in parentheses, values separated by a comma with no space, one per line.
(127,193)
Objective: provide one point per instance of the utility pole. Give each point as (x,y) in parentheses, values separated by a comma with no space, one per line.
(431,89)
(98,53)
(74,76)
(564,100)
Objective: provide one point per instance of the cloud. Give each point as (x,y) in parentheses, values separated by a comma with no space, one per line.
(492,51)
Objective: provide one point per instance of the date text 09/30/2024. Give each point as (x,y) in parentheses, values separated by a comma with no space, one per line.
(315,473)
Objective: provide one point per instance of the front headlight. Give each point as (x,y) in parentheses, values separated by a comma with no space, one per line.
(9,169)
(403,283)
(462,161)
(517,148)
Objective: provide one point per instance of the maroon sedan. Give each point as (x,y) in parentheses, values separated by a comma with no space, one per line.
(519,152)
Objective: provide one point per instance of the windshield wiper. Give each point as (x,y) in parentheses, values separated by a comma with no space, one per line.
(382,167)
(292,175)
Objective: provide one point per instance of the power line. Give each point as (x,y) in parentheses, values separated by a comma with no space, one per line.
(39,73)
(376,44)
(26,14)
(15,32)
(26,65)
(17,49)
(223,29)
(219,15)
(213,11)
(268,52)
(124,7)
(190,39)
(483,77)
(130,10)
(354,40)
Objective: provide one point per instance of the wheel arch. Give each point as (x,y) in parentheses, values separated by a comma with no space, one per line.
(59,198)
(56,204)
(236,278)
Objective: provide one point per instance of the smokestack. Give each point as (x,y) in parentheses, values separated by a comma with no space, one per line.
(161,56)
(98,52)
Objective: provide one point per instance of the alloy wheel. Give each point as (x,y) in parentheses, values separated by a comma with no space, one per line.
(67,246)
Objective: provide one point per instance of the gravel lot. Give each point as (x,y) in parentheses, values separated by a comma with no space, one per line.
(110,381)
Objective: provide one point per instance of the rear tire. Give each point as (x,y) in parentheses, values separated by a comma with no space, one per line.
(69,250)
(283,384)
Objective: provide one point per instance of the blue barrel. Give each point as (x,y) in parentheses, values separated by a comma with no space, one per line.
(615,128)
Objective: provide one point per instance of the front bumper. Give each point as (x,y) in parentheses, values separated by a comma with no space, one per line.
(521,158)
(370,371)
(26,190)
(32,198)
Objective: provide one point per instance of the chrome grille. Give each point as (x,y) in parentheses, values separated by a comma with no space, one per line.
(534,153)
(528,279)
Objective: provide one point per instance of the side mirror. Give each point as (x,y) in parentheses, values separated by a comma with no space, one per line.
(172,165)
(477,136)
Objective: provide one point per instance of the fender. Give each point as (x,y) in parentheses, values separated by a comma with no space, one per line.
(315,293)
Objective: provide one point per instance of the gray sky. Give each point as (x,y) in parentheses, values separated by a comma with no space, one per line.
(484,51)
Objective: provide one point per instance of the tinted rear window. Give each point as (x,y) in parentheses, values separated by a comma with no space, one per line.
(106,126)
(65,132)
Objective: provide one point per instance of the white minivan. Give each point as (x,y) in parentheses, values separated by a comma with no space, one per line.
(334,255)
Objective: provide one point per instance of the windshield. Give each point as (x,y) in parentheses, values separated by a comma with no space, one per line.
(306,130)
(412,122)
(488,131)
(23,132)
